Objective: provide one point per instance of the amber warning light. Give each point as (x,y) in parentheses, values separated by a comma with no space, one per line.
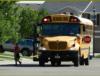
(72,19)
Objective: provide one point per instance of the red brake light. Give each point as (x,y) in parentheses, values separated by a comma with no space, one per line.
(87,39)
(46,19)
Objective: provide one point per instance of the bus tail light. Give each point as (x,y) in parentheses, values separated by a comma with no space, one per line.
(46,19)
(87,39)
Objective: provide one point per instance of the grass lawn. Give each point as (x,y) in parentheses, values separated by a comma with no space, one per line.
(97,56)
(10,56)
(6,55)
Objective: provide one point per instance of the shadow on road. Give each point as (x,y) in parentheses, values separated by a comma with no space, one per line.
(34,65)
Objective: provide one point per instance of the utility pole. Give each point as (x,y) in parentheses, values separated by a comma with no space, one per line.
(86,8)
(94,16)
(94,21)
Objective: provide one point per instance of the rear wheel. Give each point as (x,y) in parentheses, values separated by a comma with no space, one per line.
(86,61)
(76,63)
(81,61)
(1,49)
(41,62)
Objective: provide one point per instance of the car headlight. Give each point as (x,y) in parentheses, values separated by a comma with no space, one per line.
(72,48)
(42,48)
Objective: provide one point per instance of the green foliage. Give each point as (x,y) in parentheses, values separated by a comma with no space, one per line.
(17,22)
(97,56)
(28,21)
(9,21)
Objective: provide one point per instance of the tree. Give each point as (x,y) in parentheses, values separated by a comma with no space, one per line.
(37,19)
(17,22)
(29,19)
(9,21)
(26,22)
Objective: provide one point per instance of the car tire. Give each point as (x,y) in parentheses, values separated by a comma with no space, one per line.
(1,49)
(26,52)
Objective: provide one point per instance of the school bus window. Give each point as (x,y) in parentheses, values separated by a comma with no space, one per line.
(61,29)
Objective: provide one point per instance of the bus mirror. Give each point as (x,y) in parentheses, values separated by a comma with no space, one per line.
(84,29)
(78,35)
(41,37)
(78,38)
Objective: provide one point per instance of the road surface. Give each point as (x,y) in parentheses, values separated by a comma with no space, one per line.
(29,68)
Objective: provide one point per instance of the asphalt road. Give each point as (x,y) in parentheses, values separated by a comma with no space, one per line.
(66,69)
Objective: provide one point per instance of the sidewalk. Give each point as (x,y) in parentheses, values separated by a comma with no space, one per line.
(10,62)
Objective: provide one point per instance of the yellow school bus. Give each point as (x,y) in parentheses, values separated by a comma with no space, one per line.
(65,37)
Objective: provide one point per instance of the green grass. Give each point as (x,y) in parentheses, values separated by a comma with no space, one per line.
(97,56)
(7,53)
(10,56)
(6,56)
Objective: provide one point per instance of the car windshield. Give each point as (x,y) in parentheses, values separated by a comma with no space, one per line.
(26,42)
(60,29)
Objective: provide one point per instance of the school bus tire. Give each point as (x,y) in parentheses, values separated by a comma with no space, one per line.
(76,64)
(53,62)
(58,62)
(41,60)
(86,61)
(81,61)
(76,61)
(41,63)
